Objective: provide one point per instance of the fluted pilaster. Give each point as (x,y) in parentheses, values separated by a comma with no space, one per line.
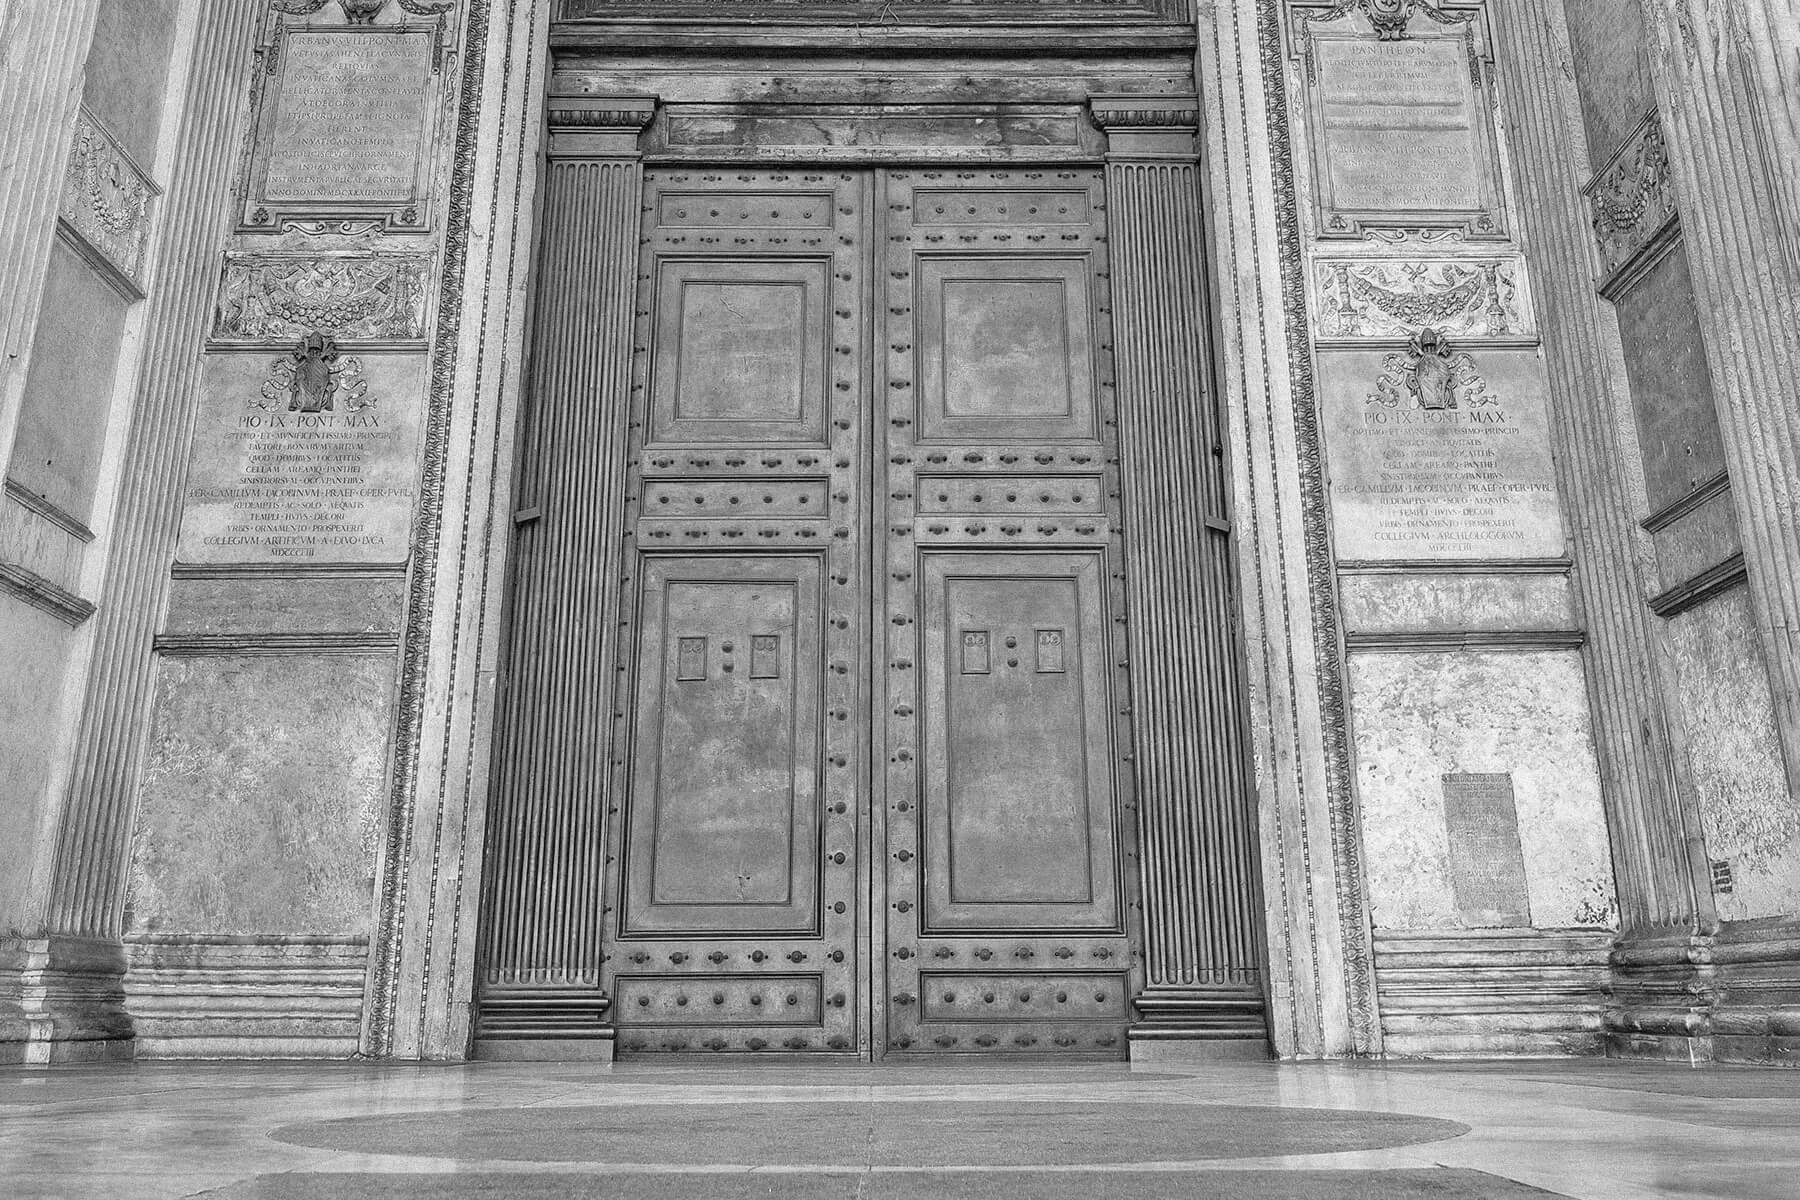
(1196,819)
(1593,421)
(1719,111)
(545,849)
(88,883)
(41,57)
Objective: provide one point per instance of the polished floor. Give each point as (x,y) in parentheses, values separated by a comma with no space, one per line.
(1593,1130)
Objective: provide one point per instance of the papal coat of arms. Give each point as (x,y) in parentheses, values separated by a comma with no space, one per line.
(1431,375)
(315,378)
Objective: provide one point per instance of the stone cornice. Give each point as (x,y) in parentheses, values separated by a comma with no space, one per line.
(1146,112)
(610,113)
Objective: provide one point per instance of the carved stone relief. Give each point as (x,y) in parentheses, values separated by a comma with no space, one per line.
(106,201)
(277,297)
(1389,298)
(1633,197)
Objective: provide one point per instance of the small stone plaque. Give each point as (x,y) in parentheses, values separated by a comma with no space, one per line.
(308,457)
(1439,453)
(346,122)
(1487,866)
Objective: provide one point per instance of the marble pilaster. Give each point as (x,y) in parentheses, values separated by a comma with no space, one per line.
(1728,116)
(40,94)
(1582,352)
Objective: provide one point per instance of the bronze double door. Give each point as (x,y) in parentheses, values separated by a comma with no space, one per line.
(872,746)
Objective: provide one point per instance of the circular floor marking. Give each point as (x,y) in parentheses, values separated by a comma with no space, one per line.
(928,1134)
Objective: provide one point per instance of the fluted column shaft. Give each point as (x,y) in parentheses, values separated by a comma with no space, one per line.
(1593,420)
(545,855)
(41,56)
(1719,109)
(88,881)
(1196,826)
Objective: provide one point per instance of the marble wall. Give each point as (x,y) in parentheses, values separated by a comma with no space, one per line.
(1484,838)
(262,796)
(1750,822)
(1420,717)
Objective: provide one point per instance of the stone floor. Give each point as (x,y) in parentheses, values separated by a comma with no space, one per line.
(1594,1130)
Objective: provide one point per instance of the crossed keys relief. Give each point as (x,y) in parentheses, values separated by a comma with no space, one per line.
(1432,375)
(315,378)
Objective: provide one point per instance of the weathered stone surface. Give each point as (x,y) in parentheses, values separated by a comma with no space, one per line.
(1431,603)
(1671,390)
(330,604)
(61,434)
(1418,717)
(1749,819)
(1439,455)
(272,482)
(261,802)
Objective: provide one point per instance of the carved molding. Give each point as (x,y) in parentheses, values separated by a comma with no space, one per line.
(389,946)
(348,297)
(601,112)
(1353,921)
(106,202)
(1145,112)
(888,12)
(1466,298)
(1633,198)
(583,126)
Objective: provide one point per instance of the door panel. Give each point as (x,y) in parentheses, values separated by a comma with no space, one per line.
(1004,348)
(741,350)
(1000,810)
(1017,793)
(725,811)
(739,862)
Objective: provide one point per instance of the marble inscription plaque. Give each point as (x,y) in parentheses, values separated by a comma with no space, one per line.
(1401,129)
(1436,453)
(1399,125)
(350,112)
(1487,865)
(304,459)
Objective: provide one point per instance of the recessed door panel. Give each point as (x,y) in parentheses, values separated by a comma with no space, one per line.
(1017,806)
(740,350)
(724,796)
(1005,346)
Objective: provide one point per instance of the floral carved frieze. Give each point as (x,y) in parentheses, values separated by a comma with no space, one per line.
(279,297)
(106,201)
(1633,197)
(1389,298)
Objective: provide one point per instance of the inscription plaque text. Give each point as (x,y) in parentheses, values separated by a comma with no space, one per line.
(350,113)
(271,485)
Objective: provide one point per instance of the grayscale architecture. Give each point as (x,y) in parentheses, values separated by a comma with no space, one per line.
(899,530)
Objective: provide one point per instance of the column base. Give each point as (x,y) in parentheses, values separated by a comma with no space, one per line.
(1728,997)
(542,1023)
(62,999)
(1218,1022)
